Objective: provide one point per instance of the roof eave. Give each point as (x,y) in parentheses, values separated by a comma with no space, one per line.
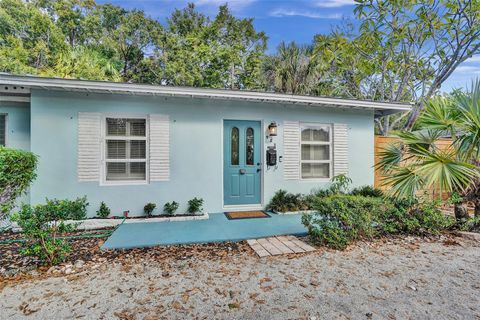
(380,108)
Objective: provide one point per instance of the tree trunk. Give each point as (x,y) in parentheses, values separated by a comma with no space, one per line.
(461,211)
(477,209)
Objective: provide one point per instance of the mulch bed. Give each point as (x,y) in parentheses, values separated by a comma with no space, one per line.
(13,265)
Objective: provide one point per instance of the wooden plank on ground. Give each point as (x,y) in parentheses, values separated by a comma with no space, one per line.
(291,245)
(269,247)
(280,246)
(302,245)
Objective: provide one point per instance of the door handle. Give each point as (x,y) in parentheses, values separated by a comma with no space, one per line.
(242,171)
(259,169)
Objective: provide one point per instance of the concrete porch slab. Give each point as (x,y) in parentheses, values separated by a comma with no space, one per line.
(216,229)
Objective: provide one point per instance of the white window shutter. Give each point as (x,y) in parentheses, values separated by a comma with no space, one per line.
(159,147)
(291,150)
(340,149)
(89,135)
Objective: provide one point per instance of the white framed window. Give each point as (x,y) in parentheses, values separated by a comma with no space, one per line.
(315,151)
(3,129)
(125,150)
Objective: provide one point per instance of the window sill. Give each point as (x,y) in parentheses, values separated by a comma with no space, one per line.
(123,183)
(315,180)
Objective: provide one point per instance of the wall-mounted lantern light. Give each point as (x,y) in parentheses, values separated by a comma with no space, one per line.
(272,129)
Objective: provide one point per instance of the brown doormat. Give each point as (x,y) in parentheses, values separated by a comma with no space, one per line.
(246,215)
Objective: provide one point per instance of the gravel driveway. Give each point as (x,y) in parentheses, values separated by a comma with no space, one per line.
(388,279)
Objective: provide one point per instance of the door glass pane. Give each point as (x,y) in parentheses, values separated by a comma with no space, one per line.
(234,157)
(249,147)
(318,134)
(315,152)
(315,170)
(2,129)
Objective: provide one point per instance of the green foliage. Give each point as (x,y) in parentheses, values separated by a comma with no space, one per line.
(413,217)
(103,211)
(148,209)
(284,201)
(367,191)
(340,183)
(195,205)
(170,207)
(17,171)
(416,162)
(43,226)
(341,219)
(471,225)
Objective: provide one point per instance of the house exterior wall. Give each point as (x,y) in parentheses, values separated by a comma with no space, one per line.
(18,124)
(196,148)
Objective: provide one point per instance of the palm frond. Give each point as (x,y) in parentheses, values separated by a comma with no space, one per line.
(405,181)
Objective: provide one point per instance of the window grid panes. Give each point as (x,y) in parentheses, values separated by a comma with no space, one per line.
(126,149)
(316,151)
(3,129)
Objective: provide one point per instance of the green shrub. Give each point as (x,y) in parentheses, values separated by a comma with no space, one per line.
(471,225)
(170,208)
(76,209)
(413,217)
(104,211)
(367,191)
(17,171)
(43,225)
(340,219)
(283,201)
(148,209)
(322,193)
(195,205)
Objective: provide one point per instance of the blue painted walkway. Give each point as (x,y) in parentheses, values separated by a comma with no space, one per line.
(216,229)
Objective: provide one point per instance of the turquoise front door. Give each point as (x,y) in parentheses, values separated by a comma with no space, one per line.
(241,162)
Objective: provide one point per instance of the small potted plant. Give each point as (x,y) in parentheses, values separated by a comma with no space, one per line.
(148,209)
(170,208)
(195,206)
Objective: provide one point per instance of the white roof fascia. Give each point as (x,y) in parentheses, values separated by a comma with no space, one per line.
(145,89)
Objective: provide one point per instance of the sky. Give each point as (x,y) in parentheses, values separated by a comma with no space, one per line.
(288,20)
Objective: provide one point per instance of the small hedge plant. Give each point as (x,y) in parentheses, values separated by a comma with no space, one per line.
(367,191)
(170,208)
(284,201)
(195,205)
(341,219)
(43,226)
(148,209)
(104,211)
(17,171)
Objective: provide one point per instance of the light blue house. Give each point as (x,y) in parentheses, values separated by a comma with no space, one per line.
(130,144)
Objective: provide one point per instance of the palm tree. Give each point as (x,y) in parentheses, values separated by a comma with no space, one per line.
(291,69)
(417,162)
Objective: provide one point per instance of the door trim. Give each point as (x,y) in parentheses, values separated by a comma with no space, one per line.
(253,206)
